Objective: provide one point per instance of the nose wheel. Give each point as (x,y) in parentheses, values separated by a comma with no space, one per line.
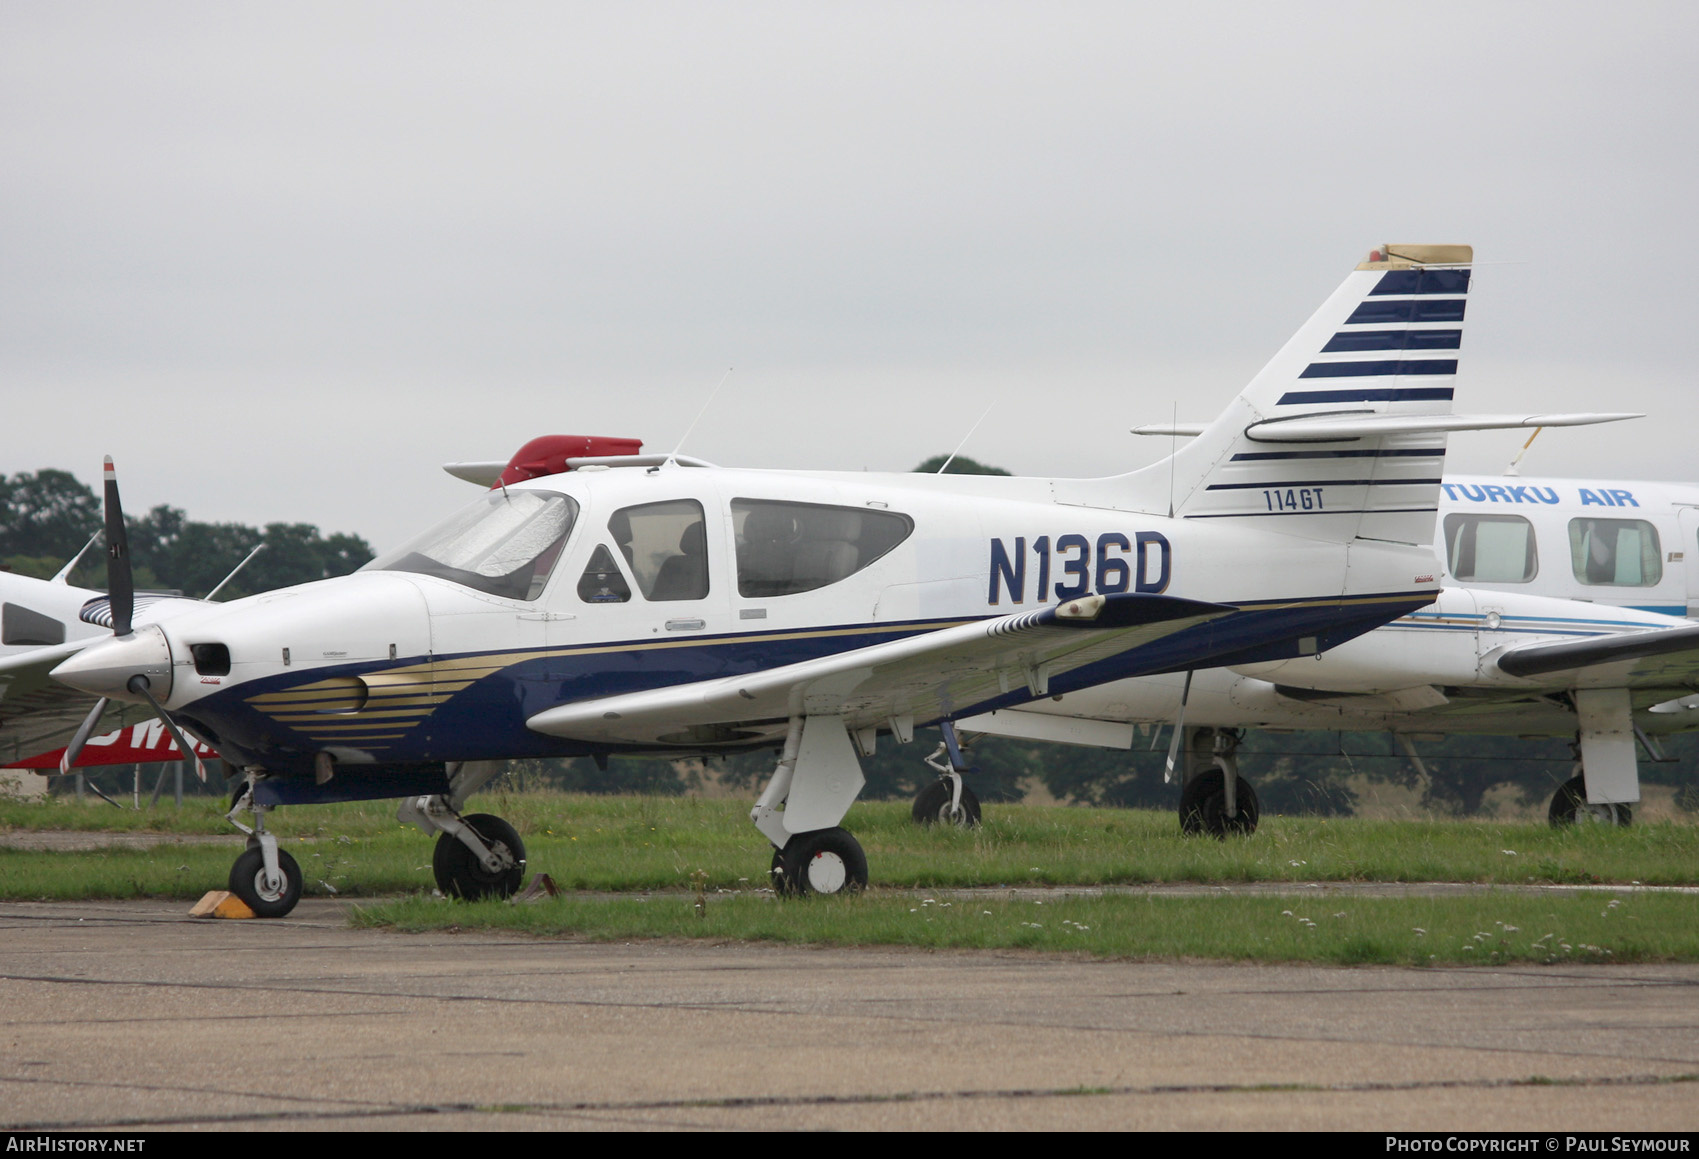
(268,895)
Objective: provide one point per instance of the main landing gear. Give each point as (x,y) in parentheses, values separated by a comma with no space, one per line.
(948,800)
(476,857)
(1606,776)
(1214,799)
(817,779)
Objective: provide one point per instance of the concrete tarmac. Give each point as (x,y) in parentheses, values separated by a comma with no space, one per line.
(130,1014)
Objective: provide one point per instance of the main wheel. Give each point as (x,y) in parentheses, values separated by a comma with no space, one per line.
(459,872)
(1203,806)
(1569,807)
(932,806)
(825,861)
(247,881)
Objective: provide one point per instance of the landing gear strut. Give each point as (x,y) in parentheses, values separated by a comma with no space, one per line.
(266,878)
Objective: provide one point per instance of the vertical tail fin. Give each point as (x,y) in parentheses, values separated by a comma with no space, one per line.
(1384,344)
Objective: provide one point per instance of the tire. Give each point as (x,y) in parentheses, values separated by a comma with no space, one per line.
(1203,807)
(932,806)
(826,861)
(1569,807)
(247,881)
(458,871)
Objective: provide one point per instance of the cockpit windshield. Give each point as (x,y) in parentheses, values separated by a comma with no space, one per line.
(505,544)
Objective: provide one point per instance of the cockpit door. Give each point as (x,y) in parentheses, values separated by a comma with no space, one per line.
(650,572)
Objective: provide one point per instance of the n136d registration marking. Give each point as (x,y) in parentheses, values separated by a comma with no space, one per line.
(1143,564)
(1294,499)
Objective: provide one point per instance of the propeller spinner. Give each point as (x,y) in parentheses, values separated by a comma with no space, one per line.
(131,664)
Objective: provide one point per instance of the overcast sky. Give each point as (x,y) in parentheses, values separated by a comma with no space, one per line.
(282,261)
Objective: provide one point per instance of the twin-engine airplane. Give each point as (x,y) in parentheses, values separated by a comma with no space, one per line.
(636,604)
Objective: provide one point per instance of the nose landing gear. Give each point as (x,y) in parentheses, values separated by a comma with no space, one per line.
(266,878)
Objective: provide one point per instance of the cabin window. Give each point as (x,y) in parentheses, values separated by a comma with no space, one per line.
(1494,549)
(602,582)
(666,545)
(785,548)
(506,544)
(1616,552)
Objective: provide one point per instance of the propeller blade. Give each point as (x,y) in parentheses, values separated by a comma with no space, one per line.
(84,731)
(120,585)
(139,685)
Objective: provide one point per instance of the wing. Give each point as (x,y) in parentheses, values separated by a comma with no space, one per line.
(37,713)
(922,678)
(1658,658)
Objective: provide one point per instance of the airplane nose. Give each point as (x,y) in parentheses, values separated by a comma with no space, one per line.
(106,668)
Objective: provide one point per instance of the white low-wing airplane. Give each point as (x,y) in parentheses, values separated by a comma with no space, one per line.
(1562,615)
(637,605)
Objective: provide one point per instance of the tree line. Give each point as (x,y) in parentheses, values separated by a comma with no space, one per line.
(47,516)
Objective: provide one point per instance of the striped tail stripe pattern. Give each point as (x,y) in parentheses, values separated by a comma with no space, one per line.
(1386,342)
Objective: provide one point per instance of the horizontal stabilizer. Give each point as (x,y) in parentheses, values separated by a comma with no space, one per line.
(1363,425)
(485,474)
(488,474)
(1171,430)
(1539,659)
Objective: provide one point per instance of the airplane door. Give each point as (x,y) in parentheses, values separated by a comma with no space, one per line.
(1688,552)
(650,573)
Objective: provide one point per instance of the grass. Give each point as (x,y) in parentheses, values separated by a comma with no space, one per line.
(657,843)
(1483,929)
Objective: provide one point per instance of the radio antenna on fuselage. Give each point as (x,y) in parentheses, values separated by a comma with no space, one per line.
(965,438)
(673,458)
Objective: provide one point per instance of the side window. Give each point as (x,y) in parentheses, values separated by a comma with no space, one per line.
(1616,552)
(785,548)
(1495,549)
(666,545)
(602,582)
